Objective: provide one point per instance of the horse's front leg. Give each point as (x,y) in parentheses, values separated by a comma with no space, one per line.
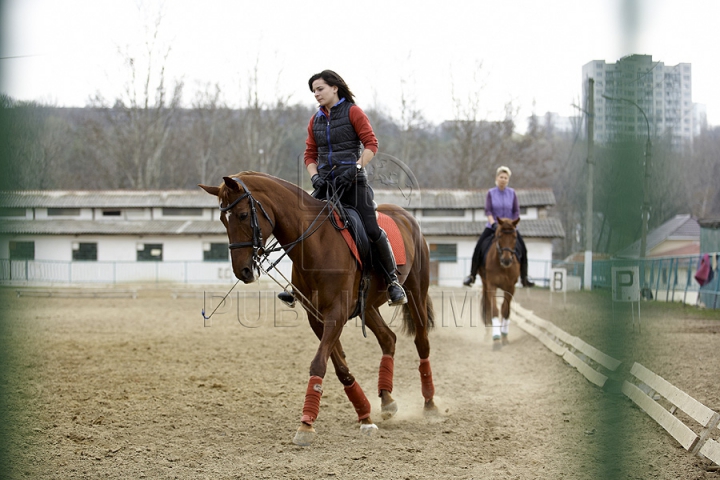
(331,330)
(353,390)
(492,297)
(386,338)
(505,325)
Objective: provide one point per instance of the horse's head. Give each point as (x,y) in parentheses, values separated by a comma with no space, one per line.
(506,238)
(247,223)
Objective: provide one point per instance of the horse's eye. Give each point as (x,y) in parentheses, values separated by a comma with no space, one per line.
(242,216)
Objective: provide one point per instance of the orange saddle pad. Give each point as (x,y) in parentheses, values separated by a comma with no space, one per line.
(393,234)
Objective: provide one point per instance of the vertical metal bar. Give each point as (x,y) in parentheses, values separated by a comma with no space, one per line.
(652,273)
(687,280)
(717,286)
(657,281)
(669,277)
(677,262)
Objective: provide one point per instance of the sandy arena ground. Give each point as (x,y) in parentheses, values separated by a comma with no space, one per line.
(140,388)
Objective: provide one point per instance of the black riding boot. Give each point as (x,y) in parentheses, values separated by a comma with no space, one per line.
(387,262)
(470,279)
(523,273)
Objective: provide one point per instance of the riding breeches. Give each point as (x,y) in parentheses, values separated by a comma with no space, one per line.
(359,195)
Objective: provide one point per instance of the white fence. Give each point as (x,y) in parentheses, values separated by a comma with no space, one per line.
(38,272)
(652,393)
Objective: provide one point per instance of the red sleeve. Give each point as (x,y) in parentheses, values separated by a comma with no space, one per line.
(363,128)
(310,145)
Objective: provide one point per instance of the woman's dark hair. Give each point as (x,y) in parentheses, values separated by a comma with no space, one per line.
(334,80)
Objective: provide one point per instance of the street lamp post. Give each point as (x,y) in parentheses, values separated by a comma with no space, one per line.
(646,180)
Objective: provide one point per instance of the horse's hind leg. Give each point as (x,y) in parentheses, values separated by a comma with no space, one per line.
(386,338)
(420,310)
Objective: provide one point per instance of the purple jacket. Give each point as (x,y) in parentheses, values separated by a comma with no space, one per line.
(502,204)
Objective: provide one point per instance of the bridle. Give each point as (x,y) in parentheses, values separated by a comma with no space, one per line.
(260,252)
(500,249)
(257,240)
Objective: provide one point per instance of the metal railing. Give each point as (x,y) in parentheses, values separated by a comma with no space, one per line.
(665,278)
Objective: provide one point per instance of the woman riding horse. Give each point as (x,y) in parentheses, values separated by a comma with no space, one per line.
(335,159)
(501,202)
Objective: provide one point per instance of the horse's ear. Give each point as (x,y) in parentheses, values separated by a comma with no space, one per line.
(231,184)
(516,221)
(210,190)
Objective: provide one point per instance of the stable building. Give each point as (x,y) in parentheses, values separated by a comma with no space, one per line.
(78,237)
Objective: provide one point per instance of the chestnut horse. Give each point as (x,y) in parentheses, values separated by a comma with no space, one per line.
(500,270)
(325,280)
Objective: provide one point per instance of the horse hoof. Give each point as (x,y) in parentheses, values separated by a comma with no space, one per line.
(430,409)
(496,338)
(505,340)
(368,429)
(304,436)
(388,411)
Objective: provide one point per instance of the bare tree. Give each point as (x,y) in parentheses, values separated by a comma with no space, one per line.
(702,169)
(208,116)
(261,129)
(36,140)
(141,120)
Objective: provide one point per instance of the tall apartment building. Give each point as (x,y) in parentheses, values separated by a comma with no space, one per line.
(663,92)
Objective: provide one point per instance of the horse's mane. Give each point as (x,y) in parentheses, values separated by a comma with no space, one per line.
(224,192)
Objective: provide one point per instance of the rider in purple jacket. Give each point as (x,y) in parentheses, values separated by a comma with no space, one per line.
(501,202)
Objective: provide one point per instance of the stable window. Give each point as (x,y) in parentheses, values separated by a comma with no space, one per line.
(182,212)
(149,252)
(216,252)
(443,252)
(63,212)
(12,212)
(111,213)
(84,251)
(443,212)
(22,250)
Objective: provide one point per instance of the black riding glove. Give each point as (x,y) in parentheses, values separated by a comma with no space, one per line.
(346,178)
(317,182)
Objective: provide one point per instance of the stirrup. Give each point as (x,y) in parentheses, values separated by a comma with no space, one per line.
(399,298)
(287,298)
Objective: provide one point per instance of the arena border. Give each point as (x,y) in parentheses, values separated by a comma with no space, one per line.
(644,389)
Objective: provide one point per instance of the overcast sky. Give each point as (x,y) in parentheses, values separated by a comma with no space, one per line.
(531,51)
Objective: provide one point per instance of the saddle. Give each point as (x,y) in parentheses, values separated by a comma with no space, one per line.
(347,220)
(355,236)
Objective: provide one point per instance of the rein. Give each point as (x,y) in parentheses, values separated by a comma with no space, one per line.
(260,253)
(257,241)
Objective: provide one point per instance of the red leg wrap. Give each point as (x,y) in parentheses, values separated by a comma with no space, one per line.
(359,400)
(385,379)
(428,389)
(311,409)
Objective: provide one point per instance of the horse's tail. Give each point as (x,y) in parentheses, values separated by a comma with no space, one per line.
(409,326)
